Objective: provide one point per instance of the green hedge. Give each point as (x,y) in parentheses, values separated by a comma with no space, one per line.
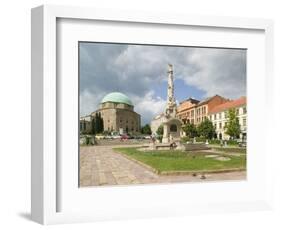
(232,142)
(185,139)
(215,142)
(160,137)
(200,139)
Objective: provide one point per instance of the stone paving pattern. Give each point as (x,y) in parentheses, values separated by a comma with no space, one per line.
(100,166)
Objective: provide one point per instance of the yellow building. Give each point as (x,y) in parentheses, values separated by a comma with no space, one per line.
(194,111)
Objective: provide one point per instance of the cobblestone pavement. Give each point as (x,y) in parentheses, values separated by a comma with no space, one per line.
(100,165)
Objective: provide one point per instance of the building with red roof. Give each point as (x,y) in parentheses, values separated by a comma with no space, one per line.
(219,118)
(194,111)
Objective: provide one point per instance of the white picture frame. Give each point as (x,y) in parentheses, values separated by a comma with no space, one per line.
(47,176)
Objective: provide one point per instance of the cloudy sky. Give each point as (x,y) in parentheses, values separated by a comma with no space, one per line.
(140,72)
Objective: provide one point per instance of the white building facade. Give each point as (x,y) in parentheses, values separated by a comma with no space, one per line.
(219,117)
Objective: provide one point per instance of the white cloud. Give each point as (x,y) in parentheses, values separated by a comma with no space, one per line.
(89,102)
(149,106)
(136,70)
(219,71)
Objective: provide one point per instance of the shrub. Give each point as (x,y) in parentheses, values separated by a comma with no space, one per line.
(185,139)
(215,142)
(159,137)
(232,142)
(200,139)
(87,140)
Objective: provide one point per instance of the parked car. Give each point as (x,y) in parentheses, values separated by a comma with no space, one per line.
(243,144)
(109,137)
(100,137)
(116,136)
(124,137)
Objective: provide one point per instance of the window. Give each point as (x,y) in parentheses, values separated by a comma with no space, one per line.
(215,116)
(244,122)
(219,115)
(244,110)
(220,125)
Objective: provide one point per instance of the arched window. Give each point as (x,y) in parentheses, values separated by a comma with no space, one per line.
(173,128)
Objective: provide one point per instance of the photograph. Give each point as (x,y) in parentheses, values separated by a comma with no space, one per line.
(152,114)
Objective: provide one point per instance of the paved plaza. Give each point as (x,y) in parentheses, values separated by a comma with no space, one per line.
(100,165)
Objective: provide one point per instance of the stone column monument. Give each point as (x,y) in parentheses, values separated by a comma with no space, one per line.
(171,125)
(171,106)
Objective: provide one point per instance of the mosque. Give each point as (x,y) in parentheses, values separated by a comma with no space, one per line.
(117,112)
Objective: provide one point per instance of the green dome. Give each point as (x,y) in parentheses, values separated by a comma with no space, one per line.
(117,97)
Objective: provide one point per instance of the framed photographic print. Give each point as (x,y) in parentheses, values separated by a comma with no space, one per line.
(137,114)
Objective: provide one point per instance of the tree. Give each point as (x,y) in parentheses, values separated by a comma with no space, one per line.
(190,130)
(206,129)
(93,128)
(146,129)
(160,130)
(232,127)
(97,124)
(102,125)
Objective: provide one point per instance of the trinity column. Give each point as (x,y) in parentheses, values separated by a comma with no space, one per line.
(171,125)
(171,102)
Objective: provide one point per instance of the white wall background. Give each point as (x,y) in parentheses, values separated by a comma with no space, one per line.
(15,112)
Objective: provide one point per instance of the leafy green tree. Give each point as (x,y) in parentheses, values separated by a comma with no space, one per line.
(232,127)
(160,130)
(146,129)
(190,130)
(206,129)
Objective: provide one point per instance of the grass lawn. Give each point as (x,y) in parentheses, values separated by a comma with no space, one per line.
(165,160)
(230,150)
